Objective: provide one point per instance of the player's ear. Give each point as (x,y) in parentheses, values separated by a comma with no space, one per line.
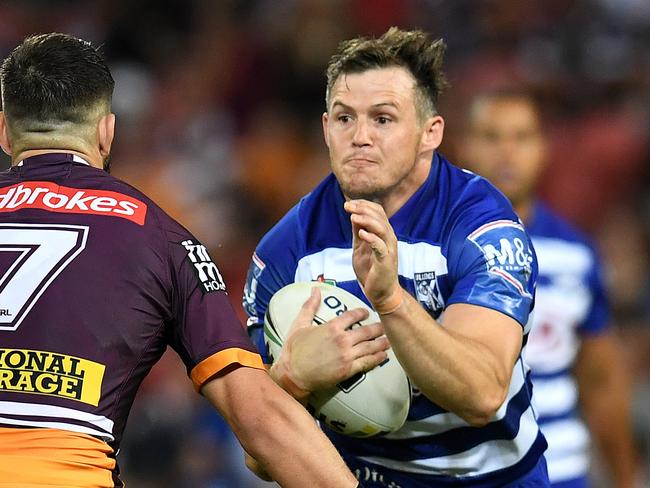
(325,119)
(433,129)
(105,133)
(5,143)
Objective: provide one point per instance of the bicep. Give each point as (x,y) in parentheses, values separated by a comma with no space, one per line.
(497,333)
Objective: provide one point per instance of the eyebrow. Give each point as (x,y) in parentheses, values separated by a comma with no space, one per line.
(338,103)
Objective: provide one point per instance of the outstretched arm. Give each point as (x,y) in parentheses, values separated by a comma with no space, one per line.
(276,430)
(605,399)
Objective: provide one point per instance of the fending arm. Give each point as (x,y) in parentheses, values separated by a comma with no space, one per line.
(276,430)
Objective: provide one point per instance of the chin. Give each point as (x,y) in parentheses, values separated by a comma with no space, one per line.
(364,192)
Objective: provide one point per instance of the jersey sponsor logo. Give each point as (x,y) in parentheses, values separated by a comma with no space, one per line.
(45,195)
(250,289)
(207,272)
(428,293)
(321,278)
(49,373)
(507,252)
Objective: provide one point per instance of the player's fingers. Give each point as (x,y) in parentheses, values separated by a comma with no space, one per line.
(379,248)
(381,227)
(371,215)
(366,207)
(366,333)
(368,362)
(371,347)
(356,242)
(348,318)
(306,315)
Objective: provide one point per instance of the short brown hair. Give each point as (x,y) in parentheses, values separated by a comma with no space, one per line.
(413,50)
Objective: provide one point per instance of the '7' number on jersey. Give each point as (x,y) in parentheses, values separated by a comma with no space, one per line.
(37,254)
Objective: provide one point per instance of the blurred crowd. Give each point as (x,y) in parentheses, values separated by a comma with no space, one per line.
(218,107)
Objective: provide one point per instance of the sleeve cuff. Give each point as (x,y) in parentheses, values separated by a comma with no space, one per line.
(219,360)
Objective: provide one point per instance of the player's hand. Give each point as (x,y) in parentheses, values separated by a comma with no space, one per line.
(318,357)
(374,254)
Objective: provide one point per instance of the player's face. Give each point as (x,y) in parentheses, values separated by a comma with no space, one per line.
(506,146)
(377,145)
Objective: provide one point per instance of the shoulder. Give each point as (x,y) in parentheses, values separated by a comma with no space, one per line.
(548,223)
(473,201)
(153,218)
(559,244)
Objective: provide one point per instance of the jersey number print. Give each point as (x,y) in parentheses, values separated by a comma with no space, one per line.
(31,257)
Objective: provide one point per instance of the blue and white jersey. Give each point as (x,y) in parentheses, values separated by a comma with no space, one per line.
(459,241)
(570,303)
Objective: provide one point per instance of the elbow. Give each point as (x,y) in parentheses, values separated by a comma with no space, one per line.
(484,408)
(257,469)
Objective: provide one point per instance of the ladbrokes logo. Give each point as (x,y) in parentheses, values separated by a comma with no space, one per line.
(49,196)
(50,373)
(206,270)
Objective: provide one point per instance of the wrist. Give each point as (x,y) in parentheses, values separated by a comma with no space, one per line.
(283,378)
(391,304)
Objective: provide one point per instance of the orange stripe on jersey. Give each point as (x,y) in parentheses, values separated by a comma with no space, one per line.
(53,457)
(215,363)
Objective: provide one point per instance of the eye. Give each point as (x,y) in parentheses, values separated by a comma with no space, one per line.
(382,120)
(344,118)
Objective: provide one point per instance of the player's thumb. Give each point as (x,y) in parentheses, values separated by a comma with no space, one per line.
(308,310)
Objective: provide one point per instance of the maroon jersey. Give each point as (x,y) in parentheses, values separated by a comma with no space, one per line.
(95,282)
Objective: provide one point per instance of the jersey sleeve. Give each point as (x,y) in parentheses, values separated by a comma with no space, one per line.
(598,317)
(493,264)
(204,328)
(272,267)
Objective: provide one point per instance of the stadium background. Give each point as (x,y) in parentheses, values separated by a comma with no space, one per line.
(219,104)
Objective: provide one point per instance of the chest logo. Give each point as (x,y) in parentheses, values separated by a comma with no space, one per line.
(427,291)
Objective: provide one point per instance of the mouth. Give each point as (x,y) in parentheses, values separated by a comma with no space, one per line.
(360,161)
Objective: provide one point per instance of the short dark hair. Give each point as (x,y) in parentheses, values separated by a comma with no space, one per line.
(413,50)
(54,78)
(505,93)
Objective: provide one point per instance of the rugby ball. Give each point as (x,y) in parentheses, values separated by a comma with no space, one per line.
(365,405)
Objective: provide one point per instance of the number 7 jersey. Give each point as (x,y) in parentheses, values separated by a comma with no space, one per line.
(95,282)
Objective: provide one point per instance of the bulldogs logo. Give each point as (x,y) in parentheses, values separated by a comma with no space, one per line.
(428,293)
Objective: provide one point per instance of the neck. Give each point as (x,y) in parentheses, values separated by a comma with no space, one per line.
(524,210)
(405,189)
(28,153)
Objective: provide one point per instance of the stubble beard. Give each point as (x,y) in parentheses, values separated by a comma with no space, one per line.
(371,191)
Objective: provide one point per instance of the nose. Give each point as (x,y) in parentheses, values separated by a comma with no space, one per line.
(507,146)
(361,136)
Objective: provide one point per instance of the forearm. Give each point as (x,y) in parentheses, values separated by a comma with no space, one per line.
(282,437)
(456,372)
(313,460)
(615,444)
(605,400)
